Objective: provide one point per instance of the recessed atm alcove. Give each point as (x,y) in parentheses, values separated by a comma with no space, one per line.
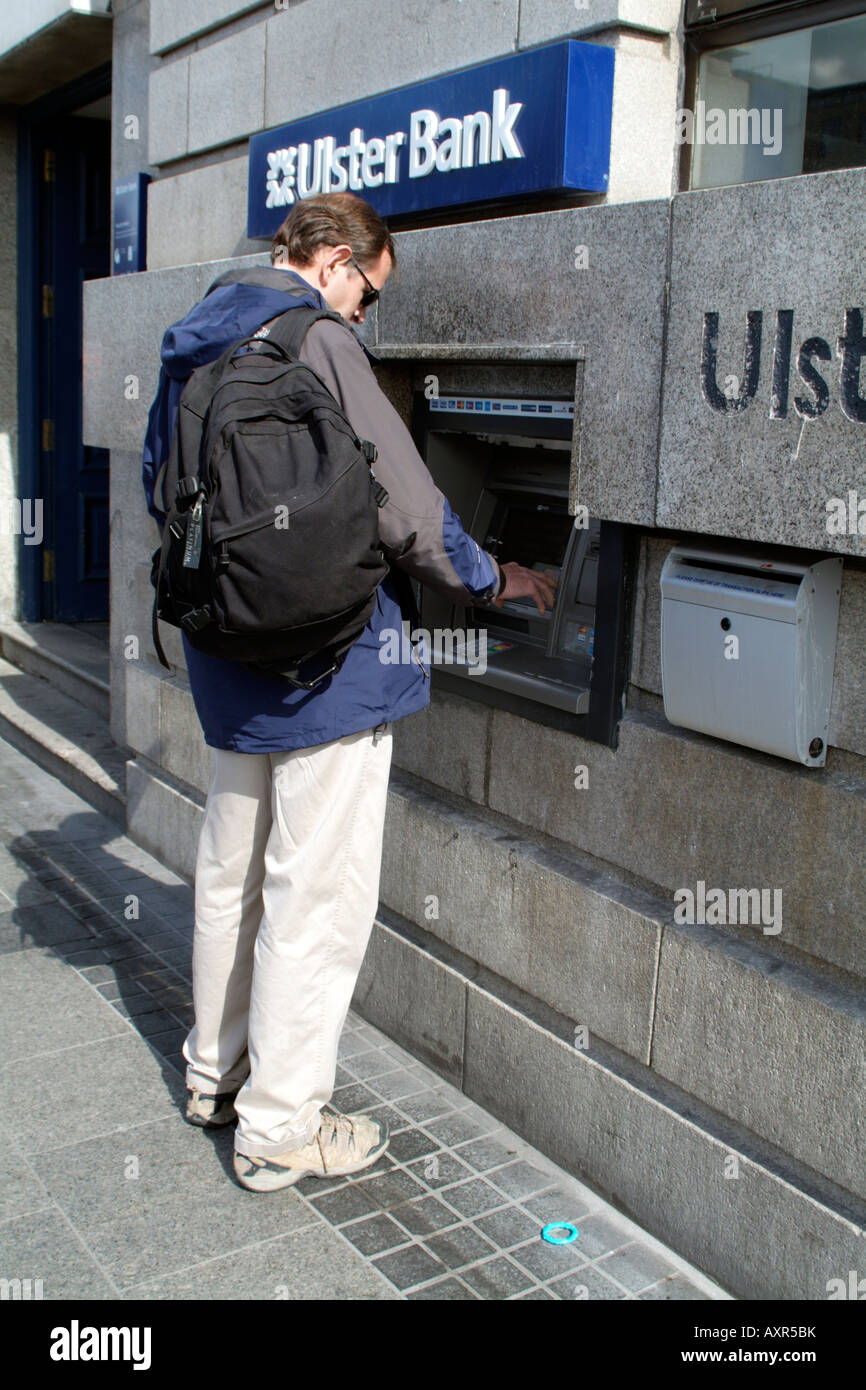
(504,463)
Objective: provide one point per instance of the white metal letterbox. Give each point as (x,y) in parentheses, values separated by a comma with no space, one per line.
(747,649)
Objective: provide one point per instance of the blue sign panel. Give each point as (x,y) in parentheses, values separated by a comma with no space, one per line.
(130,217)
(535,123)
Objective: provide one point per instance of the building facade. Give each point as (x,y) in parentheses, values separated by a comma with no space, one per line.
(562,930)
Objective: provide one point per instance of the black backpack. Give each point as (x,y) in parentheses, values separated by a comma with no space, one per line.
(270,552)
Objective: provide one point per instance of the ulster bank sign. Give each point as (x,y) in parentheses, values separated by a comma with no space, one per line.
(532,124)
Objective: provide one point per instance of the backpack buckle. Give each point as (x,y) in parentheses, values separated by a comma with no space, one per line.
(196,620)
(187,487)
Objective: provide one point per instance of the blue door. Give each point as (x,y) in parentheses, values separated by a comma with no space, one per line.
(75,245)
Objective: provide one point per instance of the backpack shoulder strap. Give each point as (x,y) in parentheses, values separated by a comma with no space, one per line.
(292,326)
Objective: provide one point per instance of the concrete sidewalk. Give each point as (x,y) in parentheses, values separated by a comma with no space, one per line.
(105,1191)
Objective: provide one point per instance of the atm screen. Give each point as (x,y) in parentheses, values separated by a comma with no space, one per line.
(533,531)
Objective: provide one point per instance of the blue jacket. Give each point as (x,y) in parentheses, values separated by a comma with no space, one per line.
(252,712)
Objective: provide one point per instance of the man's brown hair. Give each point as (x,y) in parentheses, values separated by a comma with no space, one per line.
(331,219)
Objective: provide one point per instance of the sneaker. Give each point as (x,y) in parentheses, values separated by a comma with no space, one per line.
(211,1112)
(344,1144)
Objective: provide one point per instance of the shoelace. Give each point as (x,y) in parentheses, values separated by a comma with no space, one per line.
(337,1124)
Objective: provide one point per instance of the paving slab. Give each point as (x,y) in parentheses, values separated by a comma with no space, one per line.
(43,1246)
(56,1099)
(21,1192)
(310,1264)
(48,1008)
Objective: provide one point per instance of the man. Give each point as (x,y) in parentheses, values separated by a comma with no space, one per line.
(287,873)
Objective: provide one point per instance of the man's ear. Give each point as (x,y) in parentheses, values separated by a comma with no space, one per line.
(337,256)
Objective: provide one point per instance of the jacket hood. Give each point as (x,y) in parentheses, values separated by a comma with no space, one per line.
(224,315)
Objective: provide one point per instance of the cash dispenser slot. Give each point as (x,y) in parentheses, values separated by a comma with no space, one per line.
(543,657)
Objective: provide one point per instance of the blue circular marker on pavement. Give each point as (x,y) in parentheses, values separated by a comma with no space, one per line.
(559,1226)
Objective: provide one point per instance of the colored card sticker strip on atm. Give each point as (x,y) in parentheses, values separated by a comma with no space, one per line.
(492,405)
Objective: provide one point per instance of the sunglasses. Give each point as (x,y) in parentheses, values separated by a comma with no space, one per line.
(371,294)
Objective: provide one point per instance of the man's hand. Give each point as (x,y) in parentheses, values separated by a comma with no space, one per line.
(521,582)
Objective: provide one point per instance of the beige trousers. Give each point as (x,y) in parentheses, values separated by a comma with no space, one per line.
(286,890)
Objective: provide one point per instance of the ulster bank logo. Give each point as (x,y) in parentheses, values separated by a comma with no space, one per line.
(432,144)
(736,393)
(531,125)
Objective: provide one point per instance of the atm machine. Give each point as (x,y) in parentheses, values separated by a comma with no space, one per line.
(504,465)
